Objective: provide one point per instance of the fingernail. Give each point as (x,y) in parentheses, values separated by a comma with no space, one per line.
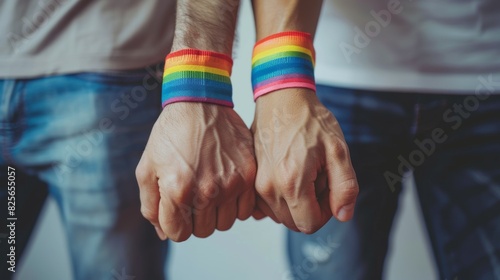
(346,212)
(160,233)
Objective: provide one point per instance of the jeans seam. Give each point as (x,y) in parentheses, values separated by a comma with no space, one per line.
(7,125)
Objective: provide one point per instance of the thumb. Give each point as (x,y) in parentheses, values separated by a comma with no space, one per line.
(341,180)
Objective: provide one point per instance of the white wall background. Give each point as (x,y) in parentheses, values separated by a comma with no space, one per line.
(250,250)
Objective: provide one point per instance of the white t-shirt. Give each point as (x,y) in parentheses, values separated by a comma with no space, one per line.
(442,46)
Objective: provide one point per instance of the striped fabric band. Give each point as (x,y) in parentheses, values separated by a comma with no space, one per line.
(197,76)
(283,60)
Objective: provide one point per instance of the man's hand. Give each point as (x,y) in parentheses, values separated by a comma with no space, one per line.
(305,173)
(197,172)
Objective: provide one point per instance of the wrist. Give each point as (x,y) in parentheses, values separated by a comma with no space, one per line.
(283,60)
(197,76)
(285,105)
(287,97)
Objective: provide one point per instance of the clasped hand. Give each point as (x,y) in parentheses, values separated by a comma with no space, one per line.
(203,168)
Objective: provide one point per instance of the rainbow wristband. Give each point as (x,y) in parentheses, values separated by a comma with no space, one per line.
(283,60)
(197,76)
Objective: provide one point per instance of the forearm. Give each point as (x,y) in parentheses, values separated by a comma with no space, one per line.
(201,190)
(315,182)
(206,25)
(283,15)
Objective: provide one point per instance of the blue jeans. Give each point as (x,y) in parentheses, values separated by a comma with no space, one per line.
(79,138)
(452,145)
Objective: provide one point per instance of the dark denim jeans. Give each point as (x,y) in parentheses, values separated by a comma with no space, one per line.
(79,138)
(452,145)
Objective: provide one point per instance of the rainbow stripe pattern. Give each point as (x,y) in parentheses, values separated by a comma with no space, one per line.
(283,60)
(197,76)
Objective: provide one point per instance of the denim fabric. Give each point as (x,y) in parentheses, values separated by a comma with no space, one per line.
(79,138)
(452,145)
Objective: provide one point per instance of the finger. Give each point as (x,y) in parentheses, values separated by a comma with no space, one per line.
(258,214)
(282,213)
(246,199)
(246,204)
(302,199)
(204,221)
(296,186)
(226,215)
(149,195)
(204,211)
(305,210)
(321,183)
(271,203)
(175,220)
(262,206)
(323,194)
(341,180)
(175,211)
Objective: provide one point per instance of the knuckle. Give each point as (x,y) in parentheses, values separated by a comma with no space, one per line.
(175,187)
(149,214)
(179,194)
(350,189)
(339,148)
(233,187)
(209,191)
(288,188)
(265,190)
(173,179)
(141,174)
(249,174)
(239,180)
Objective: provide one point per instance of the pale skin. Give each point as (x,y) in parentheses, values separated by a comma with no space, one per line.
(305,174)
(199,170)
